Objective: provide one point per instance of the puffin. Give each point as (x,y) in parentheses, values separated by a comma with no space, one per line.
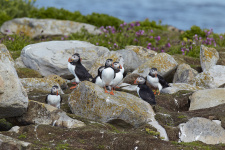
(54,98)
(119,74)
(78,70)
(156,81)
(144,92)
(97,80)
(108,74)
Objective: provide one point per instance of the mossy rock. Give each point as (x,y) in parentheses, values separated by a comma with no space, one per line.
(28,73)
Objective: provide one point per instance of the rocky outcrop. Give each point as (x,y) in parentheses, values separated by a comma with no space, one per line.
(40,113)
(211,78)
(52,57)
(208,57)
(90,101)
(184,74)
(8,143)
(175,87)
(47,27)
(207,98)
(163,62)
(44,84)
(201,129)
(13,98)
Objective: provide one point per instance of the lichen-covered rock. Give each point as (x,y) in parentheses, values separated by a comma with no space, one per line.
(100,61)
(144,54)
(48,27)
(184,74)
(8,143)
(201,129)
(44,84)
(13,97)
(175,87)
(52,57)
(211,78)
(40,113)
(207,98)
(208,57)
(89,101)
(163,62)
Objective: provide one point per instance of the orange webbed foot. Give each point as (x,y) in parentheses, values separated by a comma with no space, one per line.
(111,92)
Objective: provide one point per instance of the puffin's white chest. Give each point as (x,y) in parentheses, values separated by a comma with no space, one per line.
(99,82)
(118,78)
(72,68)
(138,89)
(153,81)
(54,100)
(107,76)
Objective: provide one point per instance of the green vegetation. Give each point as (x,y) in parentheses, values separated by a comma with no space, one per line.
(64,146)
(4,125)
(194,145)
(115,34)
(22,136)
(181,117)
(151,132)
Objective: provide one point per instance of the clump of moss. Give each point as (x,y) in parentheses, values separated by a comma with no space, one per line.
(28,73)
(4,125)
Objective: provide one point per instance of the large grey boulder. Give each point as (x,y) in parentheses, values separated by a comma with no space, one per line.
(8,143)
(201,129)
(40,113)
(207,98)
(211,78)
(90,101)
(163,62)
(47,27)
(184,74)
(208,57)
(13,97)
(52,57)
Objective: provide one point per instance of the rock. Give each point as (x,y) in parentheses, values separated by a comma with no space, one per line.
(212,78)
(201,129)
(208,57)
(15,129)
(131,60)
(184,74)
(44,84)
(164,63)
(8,143)
(89,101)
(175,87)
(207,98)
(40,113)
(144,54)
(52,57)
(100,61)
(13,98)
(47,27)
(19,63)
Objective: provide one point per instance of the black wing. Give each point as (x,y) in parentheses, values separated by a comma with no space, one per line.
(162,81)
(146,94)
(82,73)
(46,99)
(61,99)
(94,79)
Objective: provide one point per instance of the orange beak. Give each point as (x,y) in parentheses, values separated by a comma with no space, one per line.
(80,59)
(57,93)
(135,82)
(112,65)
(69,60)
(156,75)
(120,67)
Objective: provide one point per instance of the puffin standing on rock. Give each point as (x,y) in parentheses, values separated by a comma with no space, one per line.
(108,75)
(119,74)
(144,91)
(97,80)
(54,98)
(78,70)
(156,81)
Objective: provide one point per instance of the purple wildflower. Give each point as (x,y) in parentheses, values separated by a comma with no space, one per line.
(62,38)
(132,25)
(96,43)
(158,38)
(151,31)
(221,37)
(137,23)
(168,45)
